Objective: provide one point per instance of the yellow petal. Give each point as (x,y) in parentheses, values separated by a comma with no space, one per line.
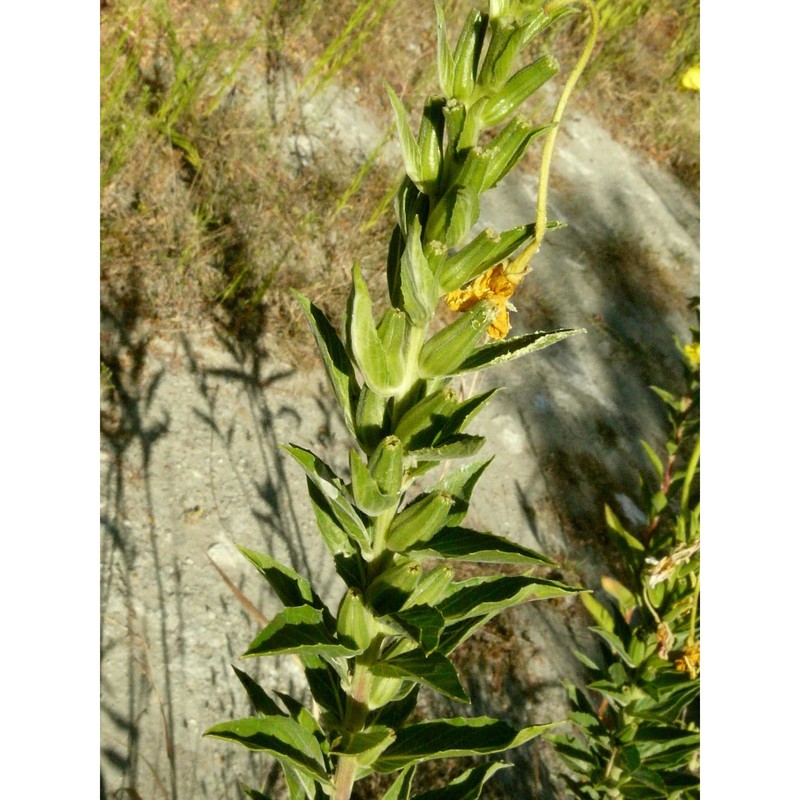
(691,79)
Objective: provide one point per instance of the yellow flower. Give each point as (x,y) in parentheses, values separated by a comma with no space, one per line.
(690,660)
(691,79)
(496,285)
(692,352)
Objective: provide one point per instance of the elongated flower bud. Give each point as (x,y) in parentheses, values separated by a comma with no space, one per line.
(506,149)
(432,587)
(370,418)
(518,88)
(501,32)
(419,521)
(453,216)
(467,55)
(418,426)
(431,135)
(392,588)
(355,621)
(391,332)
(386,465)
(443,353)
(366,493)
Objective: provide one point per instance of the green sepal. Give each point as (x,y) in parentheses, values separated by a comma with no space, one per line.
(506,149)
(365,344)
(338,366)
(464,544)
(502,350)
(445,66)
(335,494)
(445,352)
(453,215)
(434,671)
(419,426)
(455,115)
(453,738)
(370,419)
(467,55)
(298,629)
(419,521)
(503,43)
(367,495)
(518,88)
(281,737)
(408,143)
(467,786)
(431,136)
(484,251)
(418,284)
(386,465)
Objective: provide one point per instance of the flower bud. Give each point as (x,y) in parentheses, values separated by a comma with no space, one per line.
(519,87)
(355,621)
(453,216)
(391,588)
(419,521)
(386,465)
(420,424)
(467,55)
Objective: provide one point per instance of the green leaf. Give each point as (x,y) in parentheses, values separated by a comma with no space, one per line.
(503,350)
(325,687)
(613,523)
(434,670)
(460,483)
(298,629)
(459,446)
(467,55)
(366,493)
(507,148)
(492,593)
(468,545)
(401,788)
(332,533)
(423,623)
(453,738)
(466,786)
(292,590)
(615,643)
(334,356)
(335,494)
(654,459)
(261,701)
(418,285)
(453,215)
(444,57)
(365,344)
(600,614)
(282,738)
(408,142)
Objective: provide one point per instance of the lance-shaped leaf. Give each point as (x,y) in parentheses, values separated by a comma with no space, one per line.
(282,738)
(444,58)
(488,594)
(325,686)
(331,531)
(365,344)
(334,357)
(423,623)
(366,745)
(460,483)
(517,89)
(453,738)
(418,285)
(408,143)
(503,350)
(335,494)
(401,788)
(466,786)
(298,629)
(261,701)
(434,670)
(464,544)
(465,413)
(291,588)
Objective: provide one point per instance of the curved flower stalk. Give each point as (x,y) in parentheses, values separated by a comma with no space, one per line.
(402,614)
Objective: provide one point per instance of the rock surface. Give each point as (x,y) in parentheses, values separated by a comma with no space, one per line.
(193,468)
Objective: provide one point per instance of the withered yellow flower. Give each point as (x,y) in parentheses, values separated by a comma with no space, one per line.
(496,285)
(690,660)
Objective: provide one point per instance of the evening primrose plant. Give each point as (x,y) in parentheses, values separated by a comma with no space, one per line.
(402,613)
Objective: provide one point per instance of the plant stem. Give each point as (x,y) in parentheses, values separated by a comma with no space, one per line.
(520,264)
(355,716)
